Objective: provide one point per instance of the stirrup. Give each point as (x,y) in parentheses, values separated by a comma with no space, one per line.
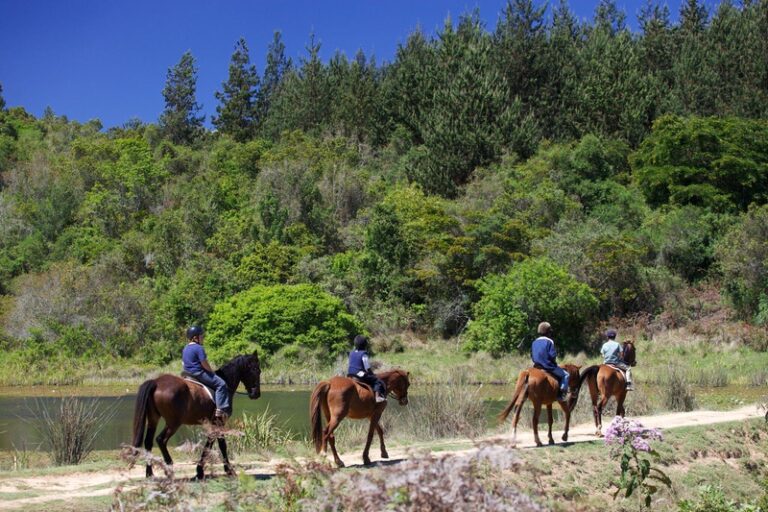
(380,399)
(221,415)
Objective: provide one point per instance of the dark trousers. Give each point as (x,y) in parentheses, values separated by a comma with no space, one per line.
(377,384)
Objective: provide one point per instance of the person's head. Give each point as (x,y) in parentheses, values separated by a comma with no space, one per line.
(195,333)
(361,342)
(544,328)
(610,334)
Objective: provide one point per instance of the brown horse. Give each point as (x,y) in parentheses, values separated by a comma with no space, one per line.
(541,388)
(608,382)
(181,402)
(342,397)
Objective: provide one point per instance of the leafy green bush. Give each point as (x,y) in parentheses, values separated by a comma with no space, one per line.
(270,317)
(718,163)
(534,291)
(743,258)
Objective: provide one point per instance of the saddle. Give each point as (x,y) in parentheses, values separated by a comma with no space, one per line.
(622,372)
(360,383)
(539,367)
(191,378)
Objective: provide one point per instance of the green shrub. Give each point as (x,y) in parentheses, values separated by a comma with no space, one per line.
(743,258)
(534,291)
(270,317)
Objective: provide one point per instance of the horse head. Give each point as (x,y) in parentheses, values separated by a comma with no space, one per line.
(249,373)
(629,353)
(397,383)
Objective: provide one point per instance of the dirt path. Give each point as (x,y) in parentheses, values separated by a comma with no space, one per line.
(37,490)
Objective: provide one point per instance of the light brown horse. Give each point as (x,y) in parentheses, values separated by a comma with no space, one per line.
(541,388)
(181,402)
(342,397)
(608,382)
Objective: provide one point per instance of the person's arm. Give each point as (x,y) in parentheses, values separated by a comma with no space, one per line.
(552,352)
(366,363)
(204,359)
(206,366)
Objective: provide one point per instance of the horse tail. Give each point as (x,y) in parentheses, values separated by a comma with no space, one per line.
(590,375)
(143,398)
(315,413)
(521,390)
(575,394)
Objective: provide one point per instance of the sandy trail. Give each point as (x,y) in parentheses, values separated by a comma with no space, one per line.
(81,485)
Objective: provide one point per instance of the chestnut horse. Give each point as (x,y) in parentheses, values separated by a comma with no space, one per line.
(181,402)
(541,388)
(609,382)
(342,397)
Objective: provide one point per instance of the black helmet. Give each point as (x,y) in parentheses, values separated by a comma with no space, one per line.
(193,331)
(361,342)
(610,333)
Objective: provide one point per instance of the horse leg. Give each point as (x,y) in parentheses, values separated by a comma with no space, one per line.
(203,456)
(536,413)
(549,421)
(620,403)
(223,449)
(369,439)
(599,415)
(151,427)
(162,441)
(384,454)
(330,439)
(567,412)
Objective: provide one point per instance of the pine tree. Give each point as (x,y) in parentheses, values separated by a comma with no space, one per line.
(693,69)
(355,92)
(179,121)
(519,42)
(275,70)
(238,113)
(2,100)
(657,54)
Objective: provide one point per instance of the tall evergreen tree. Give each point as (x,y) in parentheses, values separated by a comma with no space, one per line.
(355,92)
(238,113)
(2,100)
(275,70)
(179,121)
(657,54)
(693,70)
(520,41)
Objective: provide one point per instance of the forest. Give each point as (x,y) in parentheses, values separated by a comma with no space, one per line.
(484,180)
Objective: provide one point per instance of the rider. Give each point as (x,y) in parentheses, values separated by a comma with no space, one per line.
(360,368)
(613,354)
(195,362)
(544,357)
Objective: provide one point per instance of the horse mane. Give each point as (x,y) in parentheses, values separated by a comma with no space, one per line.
(229,371)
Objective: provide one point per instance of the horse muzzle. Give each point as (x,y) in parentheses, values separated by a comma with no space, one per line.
(254,393)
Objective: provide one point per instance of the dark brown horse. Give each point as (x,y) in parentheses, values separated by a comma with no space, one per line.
(342,397)
(608,382)
(181,402)
(541,388)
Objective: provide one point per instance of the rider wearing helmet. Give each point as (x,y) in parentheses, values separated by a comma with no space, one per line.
(544,357)
(613,354)
(195,362)
(360,368)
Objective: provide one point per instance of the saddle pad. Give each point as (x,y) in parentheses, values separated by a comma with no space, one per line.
(206,388)
(623,374)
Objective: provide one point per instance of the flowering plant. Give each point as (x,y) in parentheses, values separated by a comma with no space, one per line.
(628,440)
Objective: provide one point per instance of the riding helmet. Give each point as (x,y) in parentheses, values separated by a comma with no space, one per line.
(610,333)
(361,342)
(193,331)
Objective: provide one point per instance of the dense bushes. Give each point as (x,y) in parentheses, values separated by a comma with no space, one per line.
(534,291)
(268,318)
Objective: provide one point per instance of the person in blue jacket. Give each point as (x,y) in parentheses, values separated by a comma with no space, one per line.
(360,368)
(544,357)
(195,362)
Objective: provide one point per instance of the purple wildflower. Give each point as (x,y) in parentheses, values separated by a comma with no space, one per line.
(622,433)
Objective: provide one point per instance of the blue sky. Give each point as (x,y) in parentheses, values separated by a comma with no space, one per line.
(108,59)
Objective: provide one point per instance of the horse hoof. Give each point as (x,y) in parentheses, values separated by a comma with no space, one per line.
(149,472)
(339,464)
(384,455)
(538,444)
(551,441)
(366,462)
(565,437)
(229,471)
(199,474)
(599,434)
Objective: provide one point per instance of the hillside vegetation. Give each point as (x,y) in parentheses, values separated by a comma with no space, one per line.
(481,182)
